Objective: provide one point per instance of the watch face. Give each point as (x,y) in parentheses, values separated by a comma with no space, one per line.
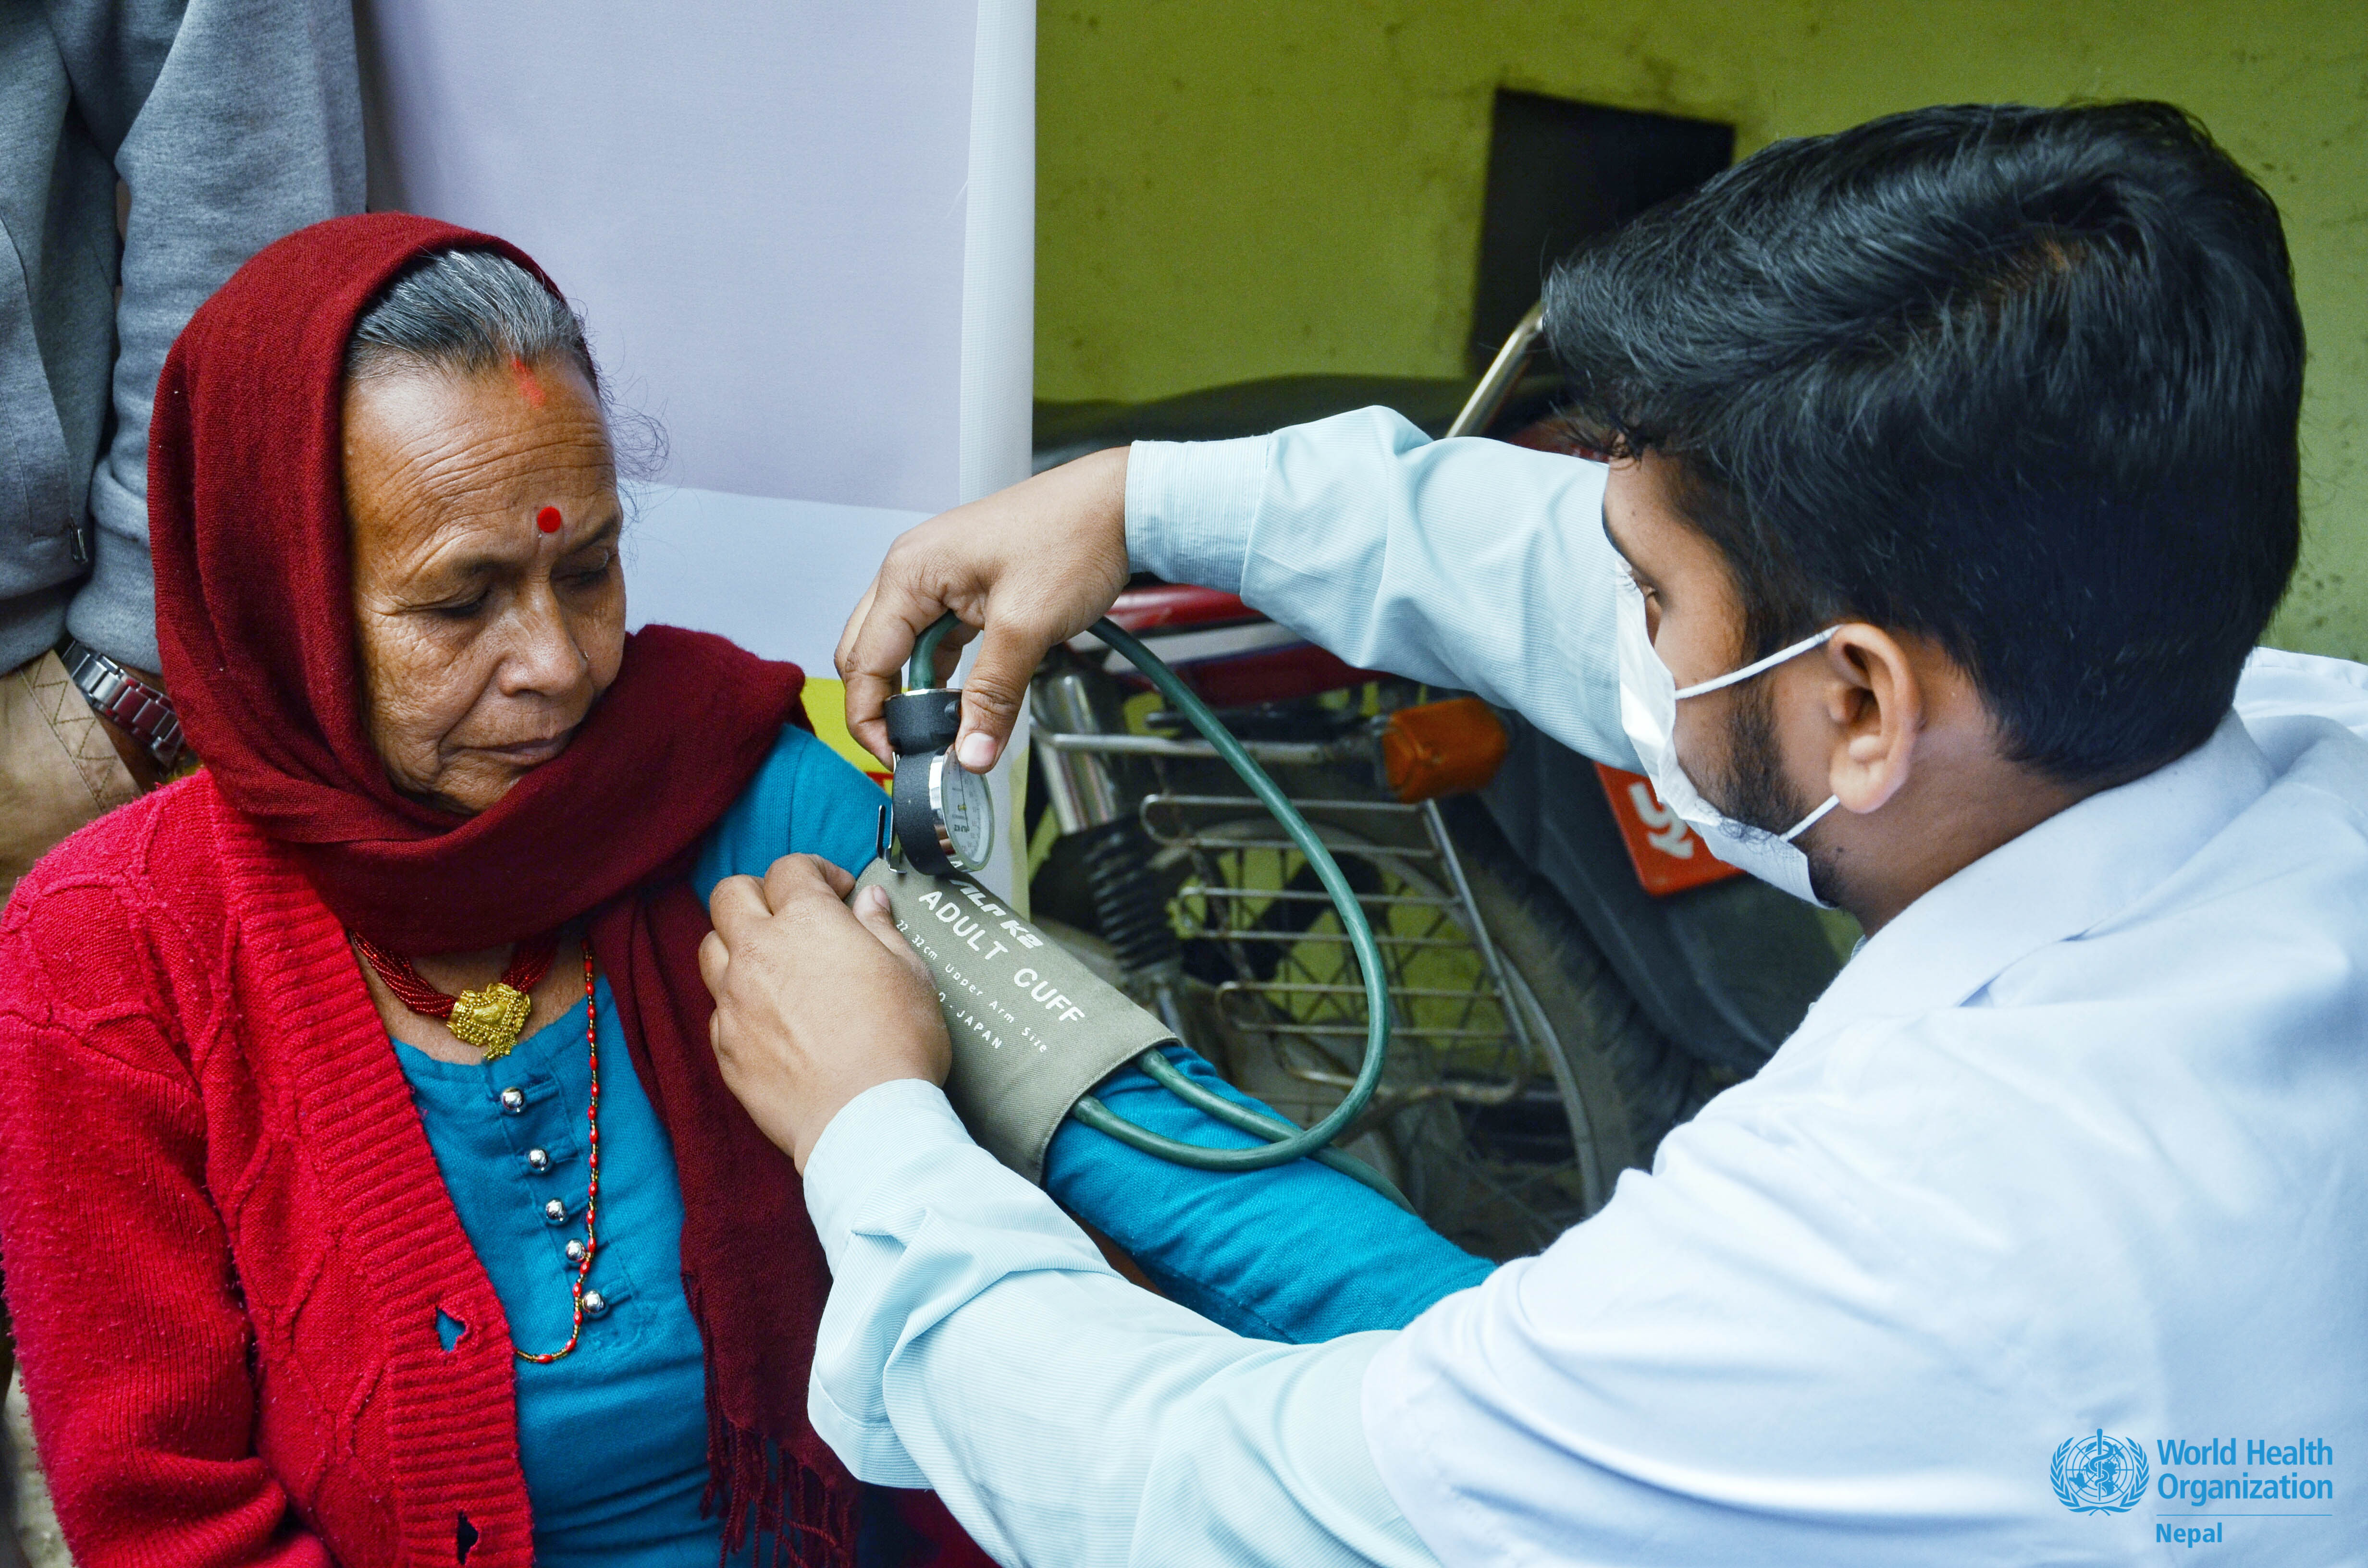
(964,813)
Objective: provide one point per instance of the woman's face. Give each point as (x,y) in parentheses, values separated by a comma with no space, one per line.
(488,601)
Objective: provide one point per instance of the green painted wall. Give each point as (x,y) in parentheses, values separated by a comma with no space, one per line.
(1230,188)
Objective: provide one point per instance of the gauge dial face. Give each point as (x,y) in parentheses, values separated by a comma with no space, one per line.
(964,813)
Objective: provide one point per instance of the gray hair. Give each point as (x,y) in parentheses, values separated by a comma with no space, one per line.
(469,312)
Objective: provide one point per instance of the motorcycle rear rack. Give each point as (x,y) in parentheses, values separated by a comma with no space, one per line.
(1324,1013)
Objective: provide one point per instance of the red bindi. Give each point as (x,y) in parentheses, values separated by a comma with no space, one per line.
(549,520)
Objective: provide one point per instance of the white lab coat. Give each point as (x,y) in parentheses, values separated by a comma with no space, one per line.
(2064,1177)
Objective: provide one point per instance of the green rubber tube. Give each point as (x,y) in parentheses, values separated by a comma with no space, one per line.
(1288,1143)
(1304,1143)
(1160,1070)
(921,671)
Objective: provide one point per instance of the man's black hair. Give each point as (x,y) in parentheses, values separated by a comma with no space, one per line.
(2023,381)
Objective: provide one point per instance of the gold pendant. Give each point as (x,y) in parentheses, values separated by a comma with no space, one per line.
(490,1019)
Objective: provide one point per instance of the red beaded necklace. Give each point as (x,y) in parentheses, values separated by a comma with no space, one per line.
(527,965)
(489,1017)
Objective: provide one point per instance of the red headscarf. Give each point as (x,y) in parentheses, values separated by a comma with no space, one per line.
(255,619)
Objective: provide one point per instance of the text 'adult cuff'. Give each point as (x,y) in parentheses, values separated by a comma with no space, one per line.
(1033,1028)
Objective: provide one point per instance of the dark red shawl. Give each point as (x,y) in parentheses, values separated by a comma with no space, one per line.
(255,619)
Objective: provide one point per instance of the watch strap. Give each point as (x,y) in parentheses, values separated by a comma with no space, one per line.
(115,693)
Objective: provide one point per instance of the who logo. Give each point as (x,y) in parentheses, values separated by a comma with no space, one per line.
(2097,1475)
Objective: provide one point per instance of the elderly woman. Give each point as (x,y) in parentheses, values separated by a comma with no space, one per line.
(523,1285)
(374,1196)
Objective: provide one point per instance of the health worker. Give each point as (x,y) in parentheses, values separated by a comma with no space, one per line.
(1951,483)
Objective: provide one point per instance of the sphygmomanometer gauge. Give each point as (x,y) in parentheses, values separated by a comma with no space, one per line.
(962,814)
(942,813)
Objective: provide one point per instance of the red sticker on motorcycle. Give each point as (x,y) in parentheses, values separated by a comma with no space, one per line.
(1670,856)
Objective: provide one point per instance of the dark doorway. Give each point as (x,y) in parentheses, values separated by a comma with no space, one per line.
(1559,172)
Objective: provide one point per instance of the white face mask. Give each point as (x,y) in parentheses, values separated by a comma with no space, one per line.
(1648,712)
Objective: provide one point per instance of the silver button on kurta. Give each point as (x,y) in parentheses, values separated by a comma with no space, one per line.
(538,1158)
(575,1251)
(514,1101)
(554,1210)
(594,1303)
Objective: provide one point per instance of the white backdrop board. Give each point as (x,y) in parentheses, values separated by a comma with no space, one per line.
(801,235)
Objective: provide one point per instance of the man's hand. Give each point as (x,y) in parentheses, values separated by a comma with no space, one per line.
(1034,564)
(813,1005)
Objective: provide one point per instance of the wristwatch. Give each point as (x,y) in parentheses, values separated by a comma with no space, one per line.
(115,693)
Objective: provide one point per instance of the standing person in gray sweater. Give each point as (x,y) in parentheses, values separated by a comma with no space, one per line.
(147,149)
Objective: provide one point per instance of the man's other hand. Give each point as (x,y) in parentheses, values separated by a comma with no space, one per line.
(813,1003)
(1034,564)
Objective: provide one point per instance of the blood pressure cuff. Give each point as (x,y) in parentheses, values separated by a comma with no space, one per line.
(1033,1028)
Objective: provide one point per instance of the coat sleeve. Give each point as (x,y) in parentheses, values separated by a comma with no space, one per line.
(977,1344)
(1466,564)
(130,1328)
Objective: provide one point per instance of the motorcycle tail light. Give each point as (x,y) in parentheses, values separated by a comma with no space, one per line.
(1443,748)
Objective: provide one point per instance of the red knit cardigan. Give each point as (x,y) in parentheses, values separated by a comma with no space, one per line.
(225,1264)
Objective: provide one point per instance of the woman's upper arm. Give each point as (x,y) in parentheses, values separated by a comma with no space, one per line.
(838,811)
(129,1324)
(806,800)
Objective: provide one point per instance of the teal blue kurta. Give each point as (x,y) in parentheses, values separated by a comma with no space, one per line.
(613,1438)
